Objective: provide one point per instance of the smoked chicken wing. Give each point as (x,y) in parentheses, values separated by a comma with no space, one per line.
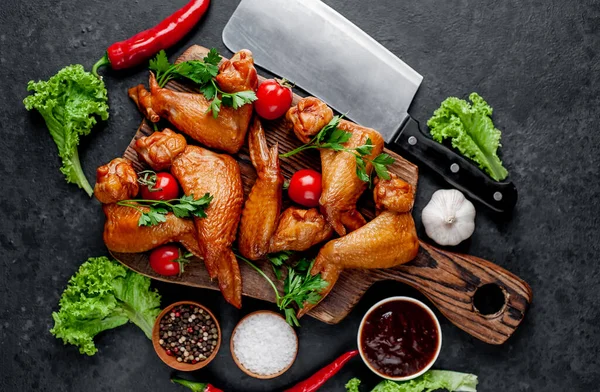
(201,171)
(308,117)
(116,181)
(122,233)
(159,149)
(385,242)
(189,112)
(341,186)
(262,209)
(299,230)
(143,100)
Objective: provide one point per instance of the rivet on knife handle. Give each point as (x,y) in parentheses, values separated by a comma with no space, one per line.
(455,169)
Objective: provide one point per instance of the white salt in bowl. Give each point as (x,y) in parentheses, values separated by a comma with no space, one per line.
(263,345)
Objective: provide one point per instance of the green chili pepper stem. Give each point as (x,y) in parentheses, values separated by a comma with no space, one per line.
(100,63)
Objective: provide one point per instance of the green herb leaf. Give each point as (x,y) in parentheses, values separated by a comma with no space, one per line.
(299,286)
(470,128)
(361,169)
(325,133)
(212,57)
(277,260)
(152,217)
(184,207)
(197,71)
(365,149)
(215,107)
(209,91)
(160,64)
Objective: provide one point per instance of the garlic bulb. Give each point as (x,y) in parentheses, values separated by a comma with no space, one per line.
(449,218)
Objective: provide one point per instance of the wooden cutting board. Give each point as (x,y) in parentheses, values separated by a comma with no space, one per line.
(447,279)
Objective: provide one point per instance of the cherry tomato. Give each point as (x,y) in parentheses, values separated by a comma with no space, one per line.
(165,188)
(165,260)
(305,187)
(274,98)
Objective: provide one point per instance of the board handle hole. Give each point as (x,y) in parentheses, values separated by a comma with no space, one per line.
(489,299)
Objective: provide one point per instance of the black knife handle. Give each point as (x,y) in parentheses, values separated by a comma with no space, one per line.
(458,171)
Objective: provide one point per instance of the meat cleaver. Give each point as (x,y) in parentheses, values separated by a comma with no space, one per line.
(311,44)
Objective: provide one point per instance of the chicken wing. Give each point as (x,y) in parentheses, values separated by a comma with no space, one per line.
(262,209)
(189,112)
(299,230)
(341,185)
(143,100)
(122,233)
(201,171)
(159,149)
(385,242)
(116,181)
(308,117)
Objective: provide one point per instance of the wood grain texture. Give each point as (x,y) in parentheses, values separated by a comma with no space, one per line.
(449,280)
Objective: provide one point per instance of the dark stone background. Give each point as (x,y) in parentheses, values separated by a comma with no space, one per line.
(537,64)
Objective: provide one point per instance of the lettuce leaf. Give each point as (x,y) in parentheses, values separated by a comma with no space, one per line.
(103,295)
(70,101)
(430,381)
(470,127)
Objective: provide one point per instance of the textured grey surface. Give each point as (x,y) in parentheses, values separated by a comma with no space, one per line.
(537,63)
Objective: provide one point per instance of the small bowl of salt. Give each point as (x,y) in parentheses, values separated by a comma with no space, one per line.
(264,345)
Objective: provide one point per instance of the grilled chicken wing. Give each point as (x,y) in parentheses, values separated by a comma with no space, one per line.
(299,230)
(200,171)
(341,185)
(385,242)
(116,181)
(122,233)
(159,149)
(262,209)
(189,112)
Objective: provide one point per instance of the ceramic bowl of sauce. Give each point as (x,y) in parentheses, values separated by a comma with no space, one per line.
(399,338)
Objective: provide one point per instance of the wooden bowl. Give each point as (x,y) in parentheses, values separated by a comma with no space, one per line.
(239,364)
(171,361)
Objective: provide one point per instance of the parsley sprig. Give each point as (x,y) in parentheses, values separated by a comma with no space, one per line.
(184,207)
(333,138)
(299,287)
(278,259)
(203,73)
(198,71)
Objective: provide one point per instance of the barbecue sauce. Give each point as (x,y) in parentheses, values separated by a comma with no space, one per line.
(399,338)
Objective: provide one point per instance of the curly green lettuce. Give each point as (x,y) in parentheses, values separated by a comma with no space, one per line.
(471,130)
(70,101)
(103,295)
(431,380)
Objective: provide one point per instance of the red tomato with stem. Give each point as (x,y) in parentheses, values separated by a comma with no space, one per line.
(274,98)
(158,186)
(305,187)
(168,260)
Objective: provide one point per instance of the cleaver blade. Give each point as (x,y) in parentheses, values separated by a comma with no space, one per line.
(316,48)
(312,45)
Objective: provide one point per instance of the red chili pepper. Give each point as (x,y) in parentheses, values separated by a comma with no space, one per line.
(143,45)
(317,380)
(196,386)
